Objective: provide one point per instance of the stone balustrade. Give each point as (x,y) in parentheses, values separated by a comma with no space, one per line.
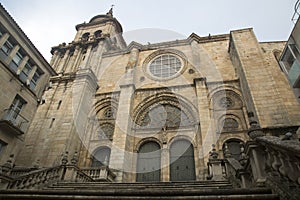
(102,173)
(37,179)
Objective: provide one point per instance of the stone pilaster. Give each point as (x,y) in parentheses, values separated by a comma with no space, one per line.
(206,134)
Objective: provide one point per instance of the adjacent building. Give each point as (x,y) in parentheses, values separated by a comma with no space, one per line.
(24,77)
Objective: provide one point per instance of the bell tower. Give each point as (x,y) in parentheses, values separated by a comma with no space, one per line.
(102,33)
(63,113)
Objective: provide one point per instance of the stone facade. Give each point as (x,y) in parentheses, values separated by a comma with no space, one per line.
(121,99)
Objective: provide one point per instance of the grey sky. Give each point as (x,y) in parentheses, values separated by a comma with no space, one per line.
(49,23)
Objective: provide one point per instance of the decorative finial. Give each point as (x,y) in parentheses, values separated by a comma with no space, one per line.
(213,154)
(74,160)
(227,153)
(255,130)
(64,159)
(110,12)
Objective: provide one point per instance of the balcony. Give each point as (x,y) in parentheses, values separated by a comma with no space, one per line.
(12,122)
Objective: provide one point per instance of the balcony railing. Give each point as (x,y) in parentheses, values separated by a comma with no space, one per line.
(15,119)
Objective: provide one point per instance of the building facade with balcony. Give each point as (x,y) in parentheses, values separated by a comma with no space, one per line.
(210,117)
(24,76)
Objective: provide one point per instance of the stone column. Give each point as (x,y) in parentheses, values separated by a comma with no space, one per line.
(3,39)
(165,163)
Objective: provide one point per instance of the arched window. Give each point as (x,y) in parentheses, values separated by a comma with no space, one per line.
(101,157)
(182,163)
(98,33)
(109,113)
(85,37)
(148,164)
(230,124)
(106,131)
(234,147)
(165,116)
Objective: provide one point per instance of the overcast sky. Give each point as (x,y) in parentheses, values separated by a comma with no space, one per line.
(50,22)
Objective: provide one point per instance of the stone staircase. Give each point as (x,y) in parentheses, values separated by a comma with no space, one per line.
(206,190)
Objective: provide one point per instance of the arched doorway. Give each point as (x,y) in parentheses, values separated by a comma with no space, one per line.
(101,157)
(182,163)
(148,164)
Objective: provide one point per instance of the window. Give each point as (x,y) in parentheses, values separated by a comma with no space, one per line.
(230,124)
(35,78)
(13,113)
(106,131)
(101,157)
(109,113)
(290,61)
(25,72)
(6,49)
(165,66)
(226,102)
(85,37)
(98,33)
(165,116)
(17,59)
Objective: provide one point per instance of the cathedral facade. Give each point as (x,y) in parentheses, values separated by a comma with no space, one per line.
(152,112)
(201,112)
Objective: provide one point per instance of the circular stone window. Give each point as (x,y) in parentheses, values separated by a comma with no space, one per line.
(165,66)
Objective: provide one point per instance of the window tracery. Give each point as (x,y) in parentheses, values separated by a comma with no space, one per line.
(167,116)
(230,124)
(165,66)
(106,131)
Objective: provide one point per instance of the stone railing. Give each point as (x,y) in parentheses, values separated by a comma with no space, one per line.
(282,165)
(267,161)
(43,177)
(16,172)
(37,179)
(102,173)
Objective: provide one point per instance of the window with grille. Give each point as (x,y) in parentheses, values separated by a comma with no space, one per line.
(165,66)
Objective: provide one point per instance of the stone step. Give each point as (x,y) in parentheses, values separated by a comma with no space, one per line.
(210,194)
(139,186)
(149,184)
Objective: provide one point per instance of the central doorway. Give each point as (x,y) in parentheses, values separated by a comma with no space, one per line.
(148,164)
(182,164)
